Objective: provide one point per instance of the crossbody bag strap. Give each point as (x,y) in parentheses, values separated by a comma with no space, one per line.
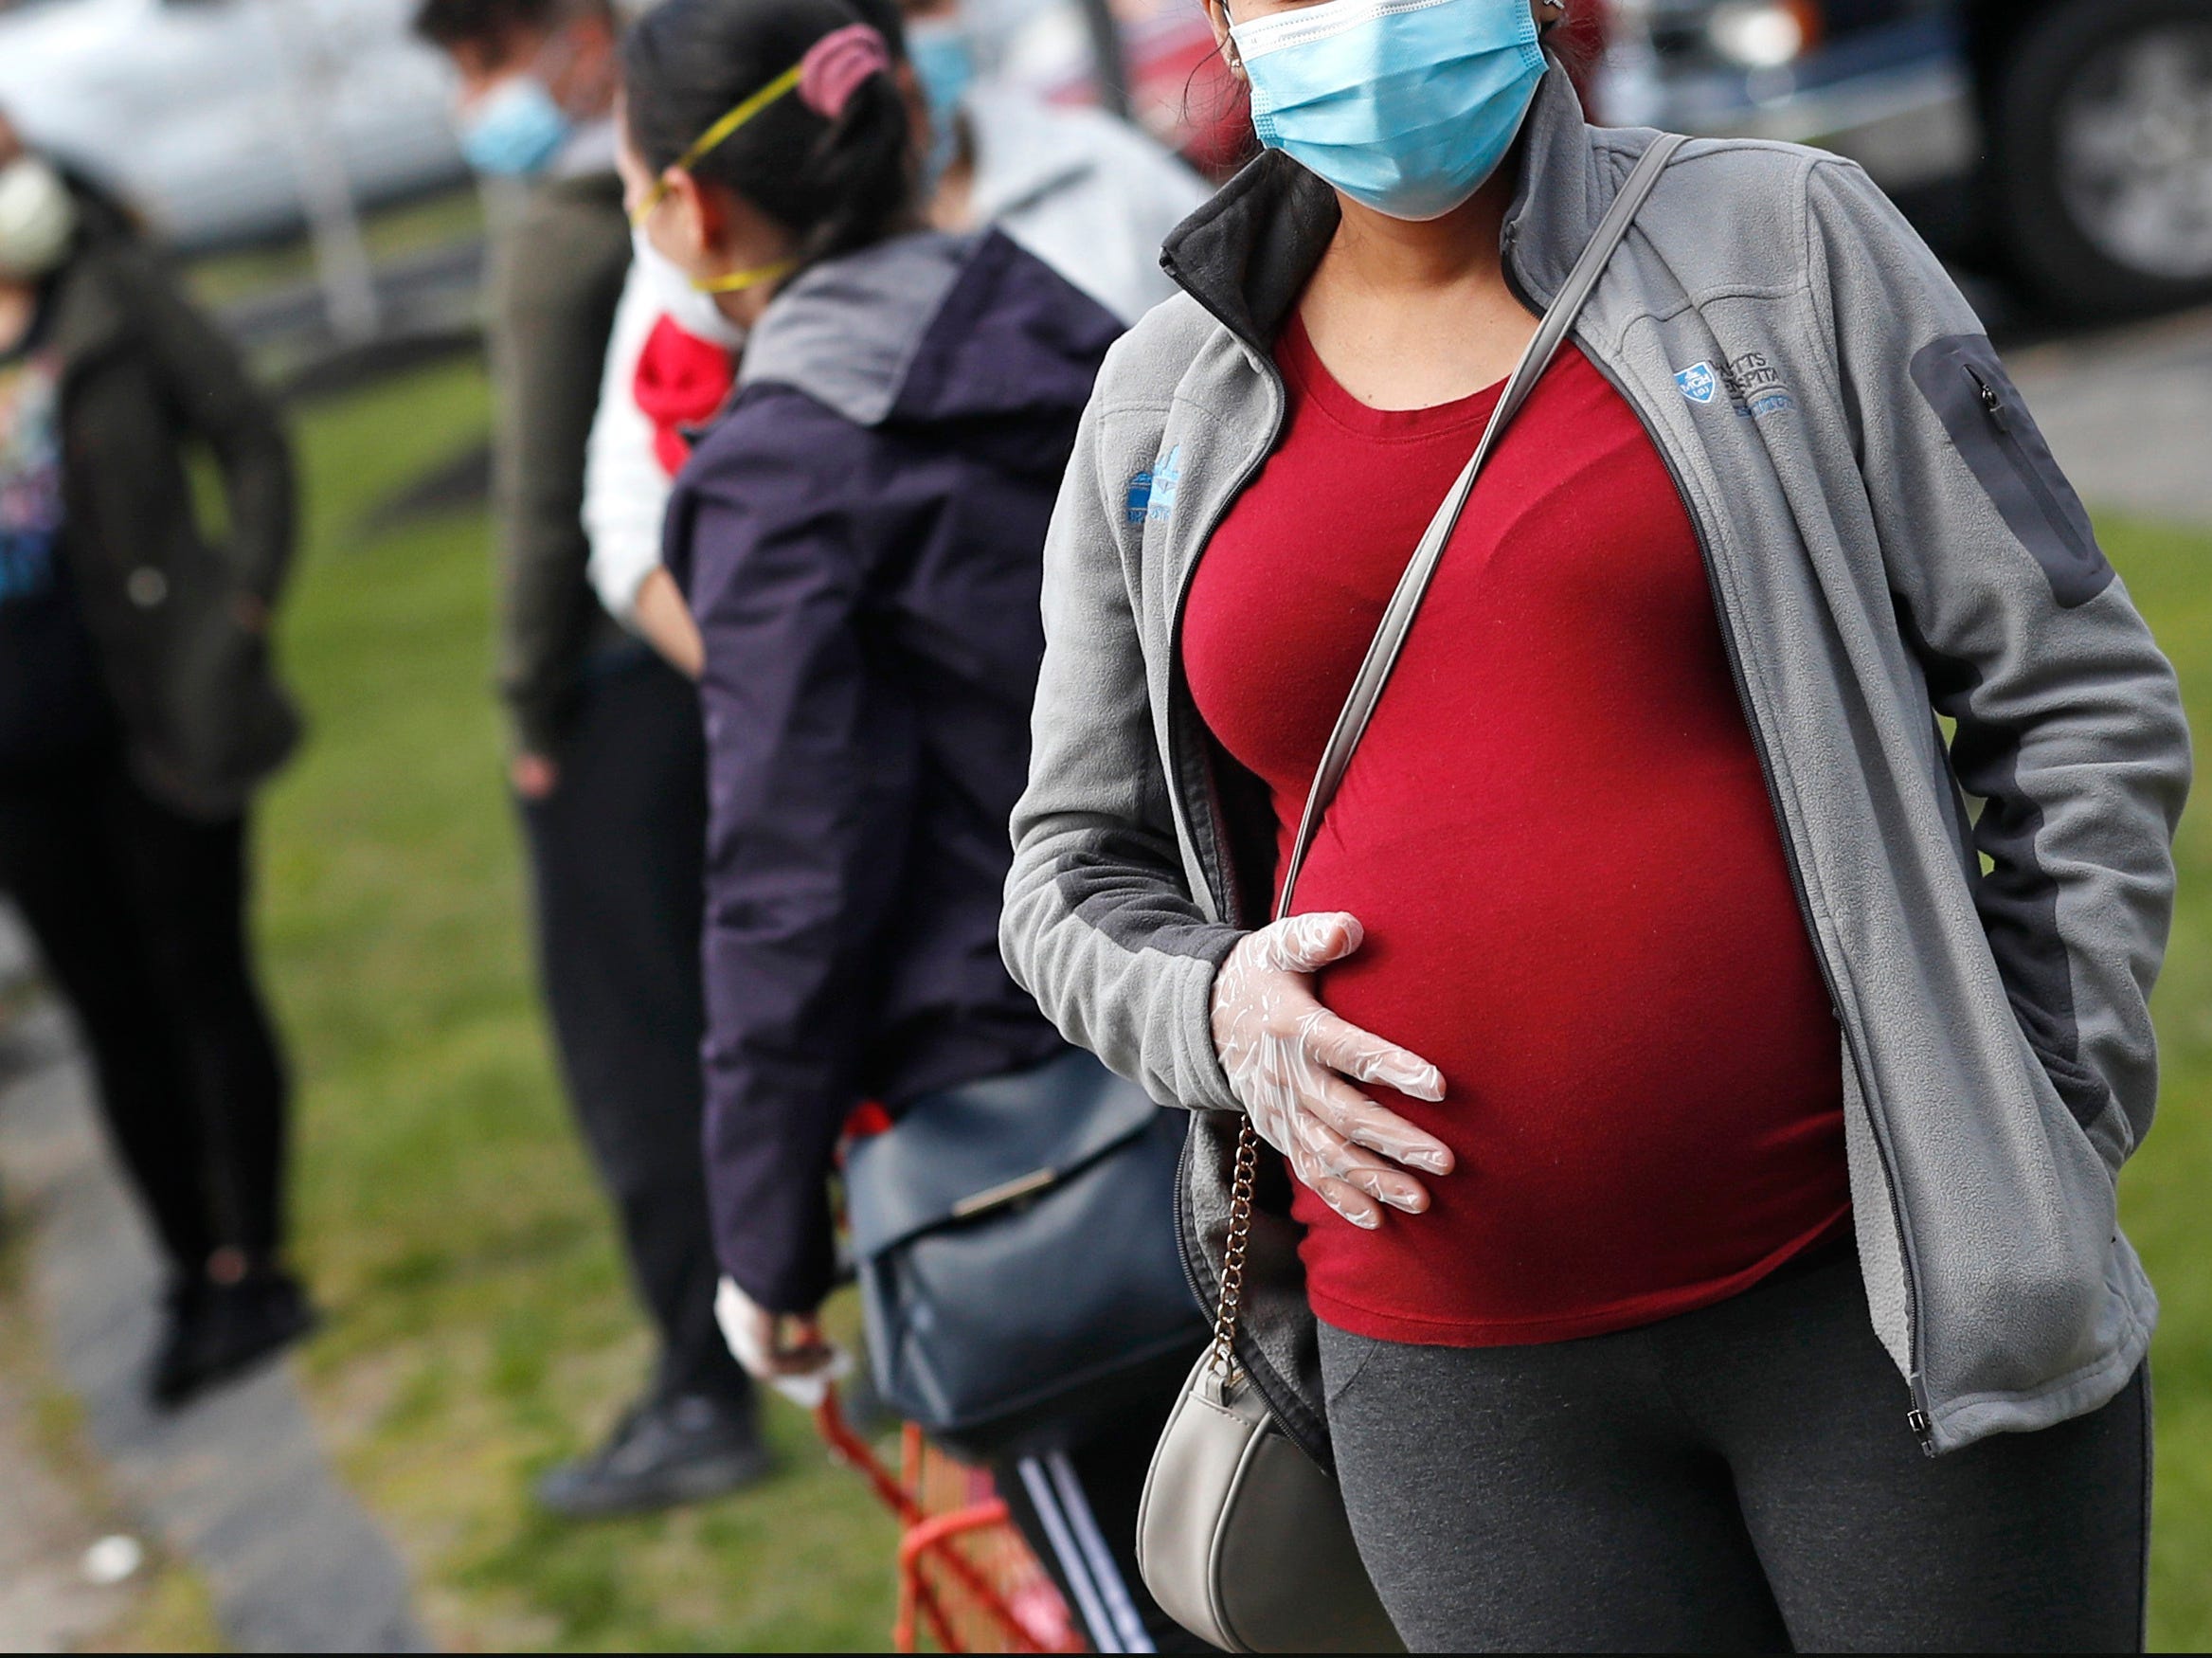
(1390,641)
(1404,603)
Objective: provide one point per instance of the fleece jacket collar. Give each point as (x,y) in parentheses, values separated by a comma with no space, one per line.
(847,331)
(1247,254)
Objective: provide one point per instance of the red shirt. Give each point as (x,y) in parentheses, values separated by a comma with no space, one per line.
(1558,840)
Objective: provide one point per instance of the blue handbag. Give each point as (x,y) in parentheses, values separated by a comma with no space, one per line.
(1016,1245)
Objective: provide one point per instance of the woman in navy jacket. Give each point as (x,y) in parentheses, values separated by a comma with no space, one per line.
(859,537)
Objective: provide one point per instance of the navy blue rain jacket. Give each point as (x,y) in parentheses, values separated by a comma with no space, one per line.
(860,538)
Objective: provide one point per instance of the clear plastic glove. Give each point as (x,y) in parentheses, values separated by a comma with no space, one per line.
(786,1351)
(1292,1063)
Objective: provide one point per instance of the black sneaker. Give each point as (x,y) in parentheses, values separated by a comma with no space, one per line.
(176,1362)
(220,1331)
(662,1453)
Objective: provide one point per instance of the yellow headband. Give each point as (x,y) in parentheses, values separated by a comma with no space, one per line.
(715,134)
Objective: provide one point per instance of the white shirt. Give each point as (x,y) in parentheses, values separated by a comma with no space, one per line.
(625,488)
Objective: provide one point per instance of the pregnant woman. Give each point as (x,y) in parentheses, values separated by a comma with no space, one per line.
(1701,1133)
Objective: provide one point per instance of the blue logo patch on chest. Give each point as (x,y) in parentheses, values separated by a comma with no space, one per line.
(1152,492)
(1139,500)
(1753,385)
(1699,382)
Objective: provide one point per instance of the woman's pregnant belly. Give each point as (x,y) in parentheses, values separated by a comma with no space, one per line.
(1643,1071)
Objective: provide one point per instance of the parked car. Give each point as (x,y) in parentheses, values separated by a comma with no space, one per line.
(208,115)
(2070,138)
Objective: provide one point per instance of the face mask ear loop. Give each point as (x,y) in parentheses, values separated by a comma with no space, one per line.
(713,137)
(738,281)
(825,78)
(1230,55)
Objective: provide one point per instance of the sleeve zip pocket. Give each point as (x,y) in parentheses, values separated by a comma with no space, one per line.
(1991,426)
(2081,545)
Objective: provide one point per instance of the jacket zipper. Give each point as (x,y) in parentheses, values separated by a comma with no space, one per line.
(1917,1418)
(1178,691)
(2000,417)
(1178,696)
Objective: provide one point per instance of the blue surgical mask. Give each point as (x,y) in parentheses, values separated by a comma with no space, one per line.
(515,129)
(1406,105)
(944,55)
(38,219)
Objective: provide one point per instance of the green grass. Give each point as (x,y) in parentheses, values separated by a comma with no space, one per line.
(2163,1193)
(165,1607)
(482,1328)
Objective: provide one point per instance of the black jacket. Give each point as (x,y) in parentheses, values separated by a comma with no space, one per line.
(145,378)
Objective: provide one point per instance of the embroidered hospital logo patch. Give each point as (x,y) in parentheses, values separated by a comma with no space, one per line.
(1152,492)
(1752,382)
(1755,388)
(1139,498)
(1698,383)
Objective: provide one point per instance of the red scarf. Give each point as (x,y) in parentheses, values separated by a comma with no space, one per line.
(681,381)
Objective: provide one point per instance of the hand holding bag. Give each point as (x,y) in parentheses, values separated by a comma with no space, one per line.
(1243,1540)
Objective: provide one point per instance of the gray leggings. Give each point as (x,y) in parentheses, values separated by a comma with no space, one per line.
(1739,1479)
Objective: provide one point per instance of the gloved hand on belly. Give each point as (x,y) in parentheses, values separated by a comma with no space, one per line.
(1292,1064)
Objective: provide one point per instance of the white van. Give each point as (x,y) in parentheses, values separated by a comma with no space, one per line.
(203,114)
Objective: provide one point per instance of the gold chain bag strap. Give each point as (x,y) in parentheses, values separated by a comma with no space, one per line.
(1242,1539)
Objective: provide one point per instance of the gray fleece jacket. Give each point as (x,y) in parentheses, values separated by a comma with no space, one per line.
(1888,540)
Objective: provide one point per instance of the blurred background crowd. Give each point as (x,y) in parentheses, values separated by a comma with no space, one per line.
(2010,139)
(356,288)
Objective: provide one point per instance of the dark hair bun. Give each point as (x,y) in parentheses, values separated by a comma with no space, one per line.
(836,182)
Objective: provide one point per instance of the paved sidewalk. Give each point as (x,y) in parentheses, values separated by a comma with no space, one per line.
(45,1604)
(2128,413)
(237,1486)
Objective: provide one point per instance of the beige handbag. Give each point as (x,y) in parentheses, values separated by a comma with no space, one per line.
(1242,1538)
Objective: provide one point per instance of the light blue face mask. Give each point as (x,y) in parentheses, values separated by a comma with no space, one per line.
(944,55)
(516,130)
(1406,105)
